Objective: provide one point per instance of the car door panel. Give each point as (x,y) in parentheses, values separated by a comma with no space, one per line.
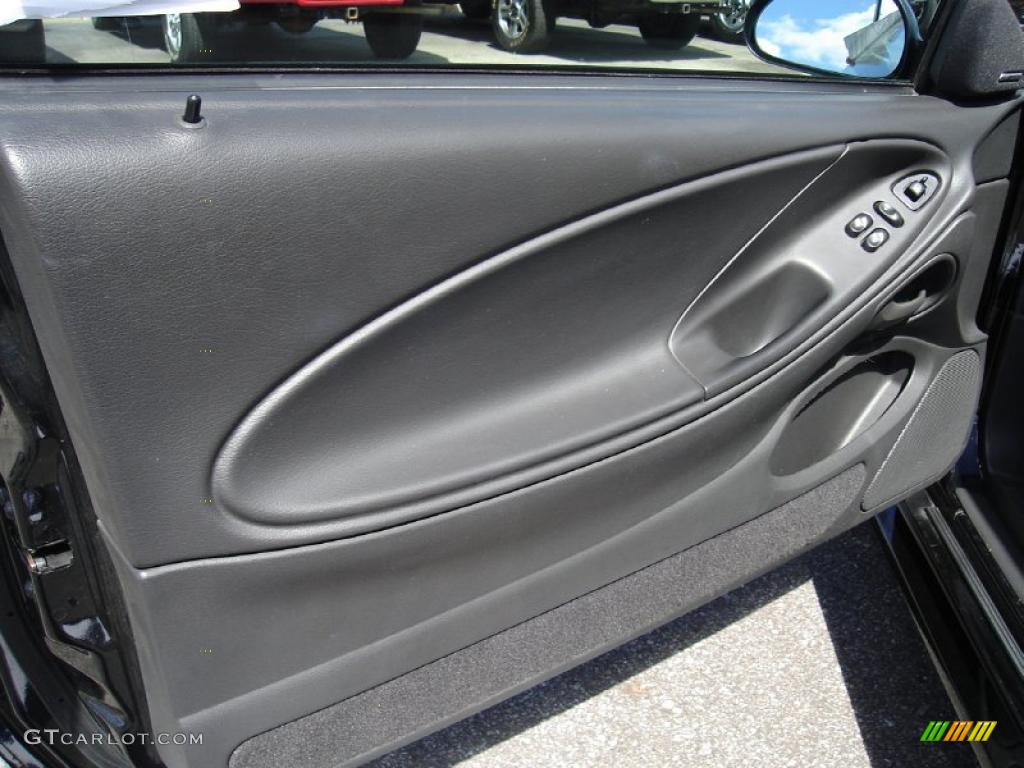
(502,664)
(181,285)
(377,465)
(464,412)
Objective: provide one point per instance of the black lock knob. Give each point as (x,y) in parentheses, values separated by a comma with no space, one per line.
(193,104)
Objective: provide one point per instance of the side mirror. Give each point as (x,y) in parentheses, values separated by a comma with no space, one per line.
(855,38)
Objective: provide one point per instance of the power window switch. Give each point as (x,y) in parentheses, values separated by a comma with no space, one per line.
(875,240)
(859,224)
(888,212)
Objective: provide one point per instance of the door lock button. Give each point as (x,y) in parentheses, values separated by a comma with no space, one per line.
(875,240)
(888,212)
(859,224)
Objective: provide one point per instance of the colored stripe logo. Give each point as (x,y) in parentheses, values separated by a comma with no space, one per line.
(958,730)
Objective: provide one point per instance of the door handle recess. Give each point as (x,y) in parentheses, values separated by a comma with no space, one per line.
(898,310)
(740,327)
(922,292)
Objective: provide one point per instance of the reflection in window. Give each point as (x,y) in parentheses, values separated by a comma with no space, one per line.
(653,35)
(864,38)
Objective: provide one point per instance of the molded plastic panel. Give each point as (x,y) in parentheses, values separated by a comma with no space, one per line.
(352,732)
(804,267)
(396,186)
(559,344)
(544,349)
(843,411)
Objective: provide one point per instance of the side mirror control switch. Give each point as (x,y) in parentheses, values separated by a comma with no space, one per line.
(916,190)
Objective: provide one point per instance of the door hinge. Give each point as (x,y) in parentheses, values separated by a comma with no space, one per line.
(53,558)
(40,536)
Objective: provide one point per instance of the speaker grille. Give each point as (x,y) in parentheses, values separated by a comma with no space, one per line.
(934,436)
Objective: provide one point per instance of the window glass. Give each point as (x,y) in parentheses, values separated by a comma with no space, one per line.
(593,34)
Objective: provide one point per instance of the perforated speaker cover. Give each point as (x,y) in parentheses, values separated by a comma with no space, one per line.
(935,433)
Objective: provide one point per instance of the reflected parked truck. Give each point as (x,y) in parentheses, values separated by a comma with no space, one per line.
(524,25)
(392,28)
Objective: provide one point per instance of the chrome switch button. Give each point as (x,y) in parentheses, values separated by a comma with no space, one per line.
(915,190)
(858,224)
(875,240)
(888,212)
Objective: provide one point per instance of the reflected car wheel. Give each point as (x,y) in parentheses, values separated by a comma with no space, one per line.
(727,26)
(393,35)
(669,31)
(185,38)
(521,25)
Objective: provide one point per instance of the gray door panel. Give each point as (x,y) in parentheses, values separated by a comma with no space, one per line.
(373,379)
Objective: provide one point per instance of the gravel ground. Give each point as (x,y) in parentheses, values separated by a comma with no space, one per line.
(816,664)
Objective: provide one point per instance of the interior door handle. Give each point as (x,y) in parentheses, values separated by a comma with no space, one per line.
(923,291)
(900,309)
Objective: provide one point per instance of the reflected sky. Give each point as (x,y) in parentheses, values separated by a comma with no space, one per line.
(855,37)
